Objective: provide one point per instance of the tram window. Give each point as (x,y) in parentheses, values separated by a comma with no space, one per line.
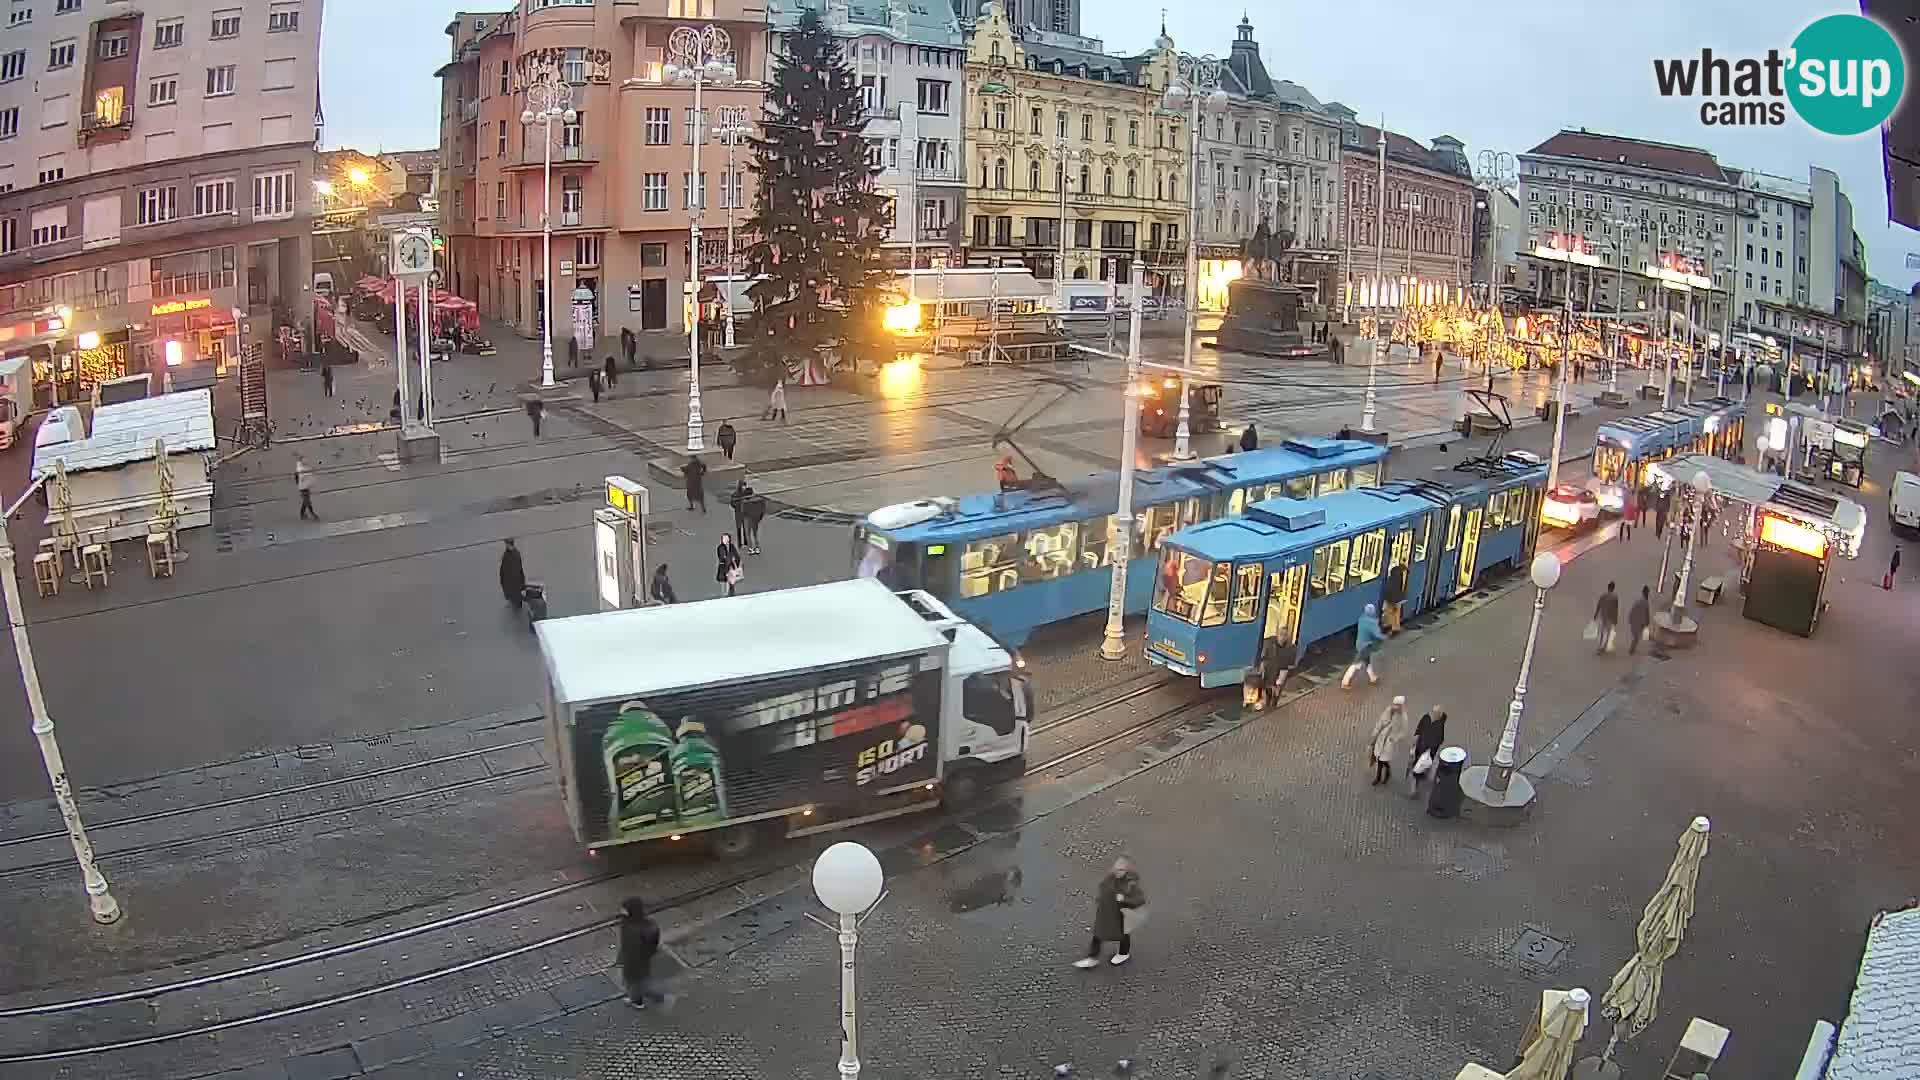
(1050,551)
(1609,463)
(1334,480)
(1317,578)
(1237,502)
(1402,548)
(1368,549)
(937,570)
(1096,542)
(1192,511)
(1247,581)
(1336,566)
(1217,586)
(1275,490)
(1368,475)
(990,565)
(1497,510)
(1453,527)
(1181,586)
(1155,523)
(1300,487)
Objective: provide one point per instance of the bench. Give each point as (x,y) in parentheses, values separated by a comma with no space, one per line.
(1708,593)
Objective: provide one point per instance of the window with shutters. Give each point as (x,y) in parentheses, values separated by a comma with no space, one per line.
(273,195)
(156,205)
(213,197)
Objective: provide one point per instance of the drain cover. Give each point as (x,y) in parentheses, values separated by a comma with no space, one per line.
(1537,951)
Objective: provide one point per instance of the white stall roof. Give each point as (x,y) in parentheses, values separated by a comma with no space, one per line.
(655,649)
(125,433)
(1881,1037)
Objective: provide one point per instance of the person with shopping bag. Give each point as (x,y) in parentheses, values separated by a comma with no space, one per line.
(1428,737)
(1606,617)
(1119,908)
(1389,737)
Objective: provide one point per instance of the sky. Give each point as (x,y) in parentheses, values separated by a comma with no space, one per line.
(1499,75)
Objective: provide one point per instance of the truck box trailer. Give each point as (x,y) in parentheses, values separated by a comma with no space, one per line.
(777,713)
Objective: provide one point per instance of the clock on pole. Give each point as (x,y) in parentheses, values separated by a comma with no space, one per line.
(411,253)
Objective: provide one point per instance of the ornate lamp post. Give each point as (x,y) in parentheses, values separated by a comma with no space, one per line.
(847,878)
(1196,79)
(697,56)
(548,99)
(1494,787)
(733,127)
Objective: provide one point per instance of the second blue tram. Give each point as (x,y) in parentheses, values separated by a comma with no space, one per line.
(1017,561)
(1294,571)
(1624,448)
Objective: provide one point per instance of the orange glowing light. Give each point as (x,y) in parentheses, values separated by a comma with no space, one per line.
(1793,536)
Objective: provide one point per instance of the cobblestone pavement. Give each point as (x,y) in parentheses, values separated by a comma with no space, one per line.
(1328,929)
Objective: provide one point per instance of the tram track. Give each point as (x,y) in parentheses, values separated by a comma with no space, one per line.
(149,994)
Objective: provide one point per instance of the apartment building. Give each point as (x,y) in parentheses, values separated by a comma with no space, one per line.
(624,189)
(1420,250)
(910,61)
(156,182)
(1272,155)
(1072,168)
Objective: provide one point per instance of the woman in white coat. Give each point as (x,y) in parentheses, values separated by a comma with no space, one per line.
(1389,740)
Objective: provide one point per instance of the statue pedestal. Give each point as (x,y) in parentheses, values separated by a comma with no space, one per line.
(1263,317)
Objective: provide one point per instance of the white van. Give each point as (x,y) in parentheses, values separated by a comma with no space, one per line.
(1903,501)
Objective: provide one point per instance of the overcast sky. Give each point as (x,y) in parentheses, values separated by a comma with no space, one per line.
(1496,74)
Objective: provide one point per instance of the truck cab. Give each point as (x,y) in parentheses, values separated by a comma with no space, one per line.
(987,708)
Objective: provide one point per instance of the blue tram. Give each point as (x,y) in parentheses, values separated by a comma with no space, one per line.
(1296,571)
(1020,560)
(1624,448)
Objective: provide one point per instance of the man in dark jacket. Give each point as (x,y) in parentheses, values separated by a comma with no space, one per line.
(1392,595)
(694,472)
(1606,613)
(662,588)
(1639,617)
(513,575)
(639,943)
(727,437)
(1250,439)
(755,510)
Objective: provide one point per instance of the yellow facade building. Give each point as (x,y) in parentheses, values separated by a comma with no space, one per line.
(1070,161)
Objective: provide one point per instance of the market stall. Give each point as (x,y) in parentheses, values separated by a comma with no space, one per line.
(144,460)
(1785,536)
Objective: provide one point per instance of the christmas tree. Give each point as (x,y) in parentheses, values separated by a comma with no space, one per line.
(817,218)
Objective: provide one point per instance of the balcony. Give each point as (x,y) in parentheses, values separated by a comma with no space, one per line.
(533,156)
(950,175)
(468,111)
(94,123)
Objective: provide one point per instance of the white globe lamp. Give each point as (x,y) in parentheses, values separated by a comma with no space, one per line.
(847,878)
(1545,570)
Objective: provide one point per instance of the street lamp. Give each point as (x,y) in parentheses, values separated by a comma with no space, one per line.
(548,99)
(104,907)
(1063,157)
(1114,644)
(847,878)
(731,129)
(1702,485)
(697,56)
(1194,78)
(1571,256)
(1495,784)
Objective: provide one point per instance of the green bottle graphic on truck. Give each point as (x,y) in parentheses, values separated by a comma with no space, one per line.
(637,750)
(697,775)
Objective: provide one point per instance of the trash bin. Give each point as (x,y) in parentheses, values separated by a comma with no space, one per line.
(1446,797)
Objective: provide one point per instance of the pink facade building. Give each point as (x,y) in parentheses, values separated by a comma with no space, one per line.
(623,188)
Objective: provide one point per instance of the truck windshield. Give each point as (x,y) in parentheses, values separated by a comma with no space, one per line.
(1192,589)
(1609,463)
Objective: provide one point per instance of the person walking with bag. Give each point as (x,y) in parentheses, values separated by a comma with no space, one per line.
(1606,618)
(1428,737)
(777,403)
(513,575)
(727,571)
(1119,906)
(1639,617)
(1366,638)
(1388,740)
(303,482)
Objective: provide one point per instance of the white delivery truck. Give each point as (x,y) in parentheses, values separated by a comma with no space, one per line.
(778,713)
(1903,502)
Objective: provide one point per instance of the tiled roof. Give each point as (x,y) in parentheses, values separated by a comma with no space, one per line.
(1612,149)
(1881,1037)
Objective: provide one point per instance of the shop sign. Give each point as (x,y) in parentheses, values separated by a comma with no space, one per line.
(176,307)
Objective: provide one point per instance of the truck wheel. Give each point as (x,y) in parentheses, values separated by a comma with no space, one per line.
(736,842)
(962,789)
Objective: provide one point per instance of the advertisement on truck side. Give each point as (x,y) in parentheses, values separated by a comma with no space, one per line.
(688,760)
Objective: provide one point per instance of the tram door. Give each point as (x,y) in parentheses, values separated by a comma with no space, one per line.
(1441,571)
(1286,591)
(1469,552)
